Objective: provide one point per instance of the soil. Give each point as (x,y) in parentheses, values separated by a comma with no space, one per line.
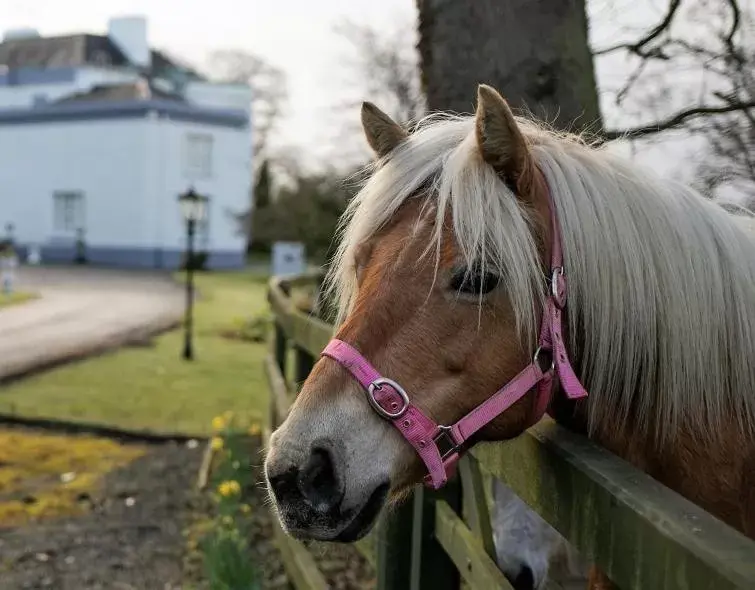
(132,535)
(129,538)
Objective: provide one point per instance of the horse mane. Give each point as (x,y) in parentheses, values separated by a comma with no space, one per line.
(661,280)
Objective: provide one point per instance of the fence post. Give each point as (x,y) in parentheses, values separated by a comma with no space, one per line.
(394,548)
(280,348)
(304,363)
(432,568)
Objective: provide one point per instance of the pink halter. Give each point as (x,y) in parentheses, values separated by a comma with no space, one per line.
(441,446)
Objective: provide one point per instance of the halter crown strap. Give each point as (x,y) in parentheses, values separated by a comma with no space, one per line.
(440,446)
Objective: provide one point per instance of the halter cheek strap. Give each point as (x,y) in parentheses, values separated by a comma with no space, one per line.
(440,446)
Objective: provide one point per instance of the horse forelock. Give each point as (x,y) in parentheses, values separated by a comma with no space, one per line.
(661,281)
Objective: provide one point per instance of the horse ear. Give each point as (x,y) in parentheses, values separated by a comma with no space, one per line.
(383,133)
(501,143)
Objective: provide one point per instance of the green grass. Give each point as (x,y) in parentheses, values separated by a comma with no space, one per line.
(153,388)
(6,300)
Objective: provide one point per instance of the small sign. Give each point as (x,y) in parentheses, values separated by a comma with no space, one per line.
(288,258)
(35,255)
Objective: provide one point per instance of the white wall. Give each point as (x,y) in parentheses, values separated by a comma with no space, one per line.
(131,172)
(103,159)
(228,186)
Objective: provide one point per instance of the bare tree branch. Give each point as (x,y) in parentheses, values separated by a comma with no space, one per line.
(736,14)
(638,47)
(678,120)
(269,90)
(385,67)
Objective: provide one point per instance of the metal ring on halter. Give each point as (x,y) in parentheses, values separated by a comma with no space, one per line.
(555,275)
(537,357)
(377,385)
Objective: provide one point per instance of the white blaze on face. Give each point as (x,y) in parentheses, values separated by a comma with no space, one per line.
(366,452)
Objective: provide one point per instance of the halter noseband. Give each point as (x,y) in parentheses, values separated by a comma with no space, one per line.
(440,446)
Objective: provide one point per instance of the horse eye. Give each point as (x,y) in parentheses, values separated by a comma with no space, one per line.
(474,281)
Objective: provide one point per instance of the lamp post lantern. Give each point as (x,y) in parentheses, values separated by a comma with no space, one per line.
(193,208)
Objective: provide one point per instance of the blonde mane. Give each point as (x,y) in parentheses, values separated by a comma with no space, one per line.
(661,280)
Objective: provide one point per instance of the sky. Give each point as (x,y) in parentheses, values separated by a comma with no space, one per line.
(298,36)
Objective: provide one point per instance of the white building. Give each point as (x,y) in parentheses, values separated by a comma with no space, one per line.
(98,137)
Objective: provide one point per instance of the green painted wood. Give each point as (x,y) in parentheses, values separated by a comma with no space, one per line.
(309,333)
(304,361)
(642,534)
(393,548)
(432,568)
(476,567)
(475,503)
(280,346)
(281,397)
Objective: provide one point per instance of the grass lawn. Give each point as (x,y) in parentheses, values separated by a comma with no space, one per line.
(153,388)
(15,298)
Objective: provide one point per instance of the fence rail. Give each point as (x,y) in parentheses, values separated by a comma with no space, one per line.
(642,534)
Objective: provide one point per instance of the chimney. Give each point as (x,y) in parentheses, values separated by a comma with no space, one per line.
(129,33)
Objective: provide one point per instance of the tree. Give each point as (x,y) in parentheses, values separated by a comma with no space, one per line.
(535,51)
(385,66)
(380,65)
(269,90)
(269,93)
(263,186)
(707,48)
(306,211)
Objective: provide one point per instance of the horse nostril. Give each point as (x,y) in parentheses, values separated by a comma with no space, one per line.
(319,483)
(284,484)
(525,580)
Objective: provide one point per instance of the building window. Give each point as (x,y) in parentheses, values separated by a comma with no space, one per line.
(68,212)
(198,155)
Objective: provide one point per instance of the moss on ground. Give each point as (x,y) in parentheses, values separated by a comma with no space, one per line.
(15,298)
(44,475)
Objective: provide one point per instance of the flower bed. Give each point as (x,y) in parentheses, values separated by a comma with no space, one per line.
(231,546)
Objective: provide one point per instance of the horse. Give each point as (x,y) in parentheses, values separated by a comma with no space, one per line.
(530,552)
(488,249)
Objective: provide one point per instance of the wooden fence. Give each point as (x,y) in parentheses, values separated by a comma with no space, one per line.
(642,534)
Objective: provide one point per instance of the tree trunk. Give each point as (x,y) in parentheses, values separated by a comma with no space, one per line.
(535,52)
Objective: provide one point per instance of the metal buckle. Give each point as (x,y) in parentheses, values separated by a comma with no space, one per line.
(536,359)
(556,274)
(377,385)
(445,442)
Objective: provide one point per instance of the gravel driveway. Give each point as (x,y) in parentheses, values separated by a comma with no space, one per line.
(82,311)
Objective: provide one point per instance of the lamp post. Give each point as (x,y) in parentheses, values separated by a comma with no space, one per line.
(193,207)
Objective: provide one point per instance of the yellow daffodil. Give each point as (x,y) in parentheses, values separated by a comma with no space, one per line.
(216,443)
(229,488)
(254,429)
(218,423)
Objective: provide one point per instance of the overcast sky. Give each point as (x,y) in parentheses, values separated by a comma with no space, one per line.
(296,35)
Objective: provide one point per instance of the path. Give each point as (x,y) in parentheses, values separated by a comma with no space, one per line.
(82,311)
